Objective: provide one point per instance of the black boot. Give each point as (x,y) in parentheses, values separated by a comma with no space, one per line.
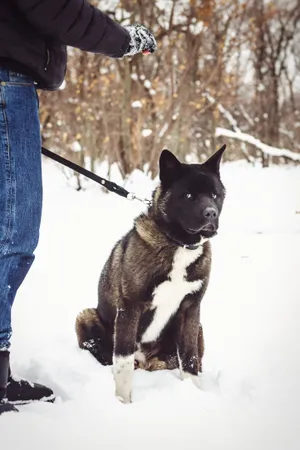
(21,392)
(4,370)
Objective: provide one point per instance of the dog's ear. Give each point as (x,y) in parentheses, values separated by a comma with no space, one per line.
(213,163)
(169,168)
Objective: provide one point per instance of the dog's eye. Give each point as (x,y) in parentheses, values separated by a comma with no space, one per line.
(188,195)
(214,195)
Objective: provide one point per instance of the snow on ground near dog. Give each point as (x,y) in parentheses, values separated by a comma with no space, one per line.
(250,395)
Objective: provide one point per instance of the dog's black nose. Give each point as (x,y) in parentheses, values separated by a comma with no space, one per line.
(210,213)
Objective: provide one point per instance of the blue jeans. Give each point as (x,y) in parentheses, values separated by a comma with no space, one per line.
(20,188)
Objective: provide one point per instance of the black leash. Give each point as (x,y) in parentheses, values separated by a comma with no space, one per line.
(109,185)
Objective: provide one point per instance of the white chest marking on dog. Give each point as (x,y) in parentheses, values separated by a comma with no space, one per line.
(169,294)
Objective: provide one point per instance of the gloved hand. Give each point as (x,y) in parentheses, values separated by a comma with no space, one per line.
(142,40)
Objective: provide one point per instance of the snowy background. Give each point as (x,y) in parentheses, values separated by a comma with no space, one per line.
(250,385)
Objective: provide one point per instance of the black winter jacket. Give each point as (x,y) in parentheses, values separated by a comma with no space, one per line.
(34,35)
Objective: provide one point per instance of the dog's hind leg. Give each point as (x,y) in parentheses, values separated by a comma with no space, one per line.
(163,356)
(93,336)
(162,363)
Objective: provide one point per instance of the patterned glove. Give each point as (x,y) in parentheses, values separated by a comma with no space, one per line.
(142,40)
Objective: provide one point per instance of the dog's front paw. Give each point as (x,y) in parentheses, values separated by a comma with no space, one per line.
(189,376)
(123,368)
(124,397)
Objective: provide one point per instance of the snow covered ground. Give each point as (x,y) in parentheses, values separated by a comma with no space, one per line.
(251,318)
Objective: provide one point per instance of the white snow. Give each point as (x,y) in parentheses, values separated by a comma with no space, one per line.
(163,130)
(244,137)
(261,87)
(250,385)
(76,147)
(137,104)
(228,116)
(197,28)
(267,149)
(146,132)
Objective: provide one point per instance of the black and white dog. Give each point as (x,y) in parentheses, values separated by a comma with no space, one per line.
(151,287)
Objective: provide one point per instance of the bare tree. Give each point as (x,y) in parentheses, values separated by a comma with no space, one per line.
(245,56)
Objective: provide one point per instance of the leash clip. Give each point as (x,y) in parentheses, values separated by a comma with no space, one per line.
(132,196)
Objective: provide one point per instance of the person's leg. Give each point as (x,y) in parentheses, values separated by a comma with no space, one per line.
(5,406)
(20,205)
(20,189)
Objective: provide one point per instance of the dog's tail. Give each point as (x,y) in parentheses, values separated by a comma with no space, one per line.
(92,336)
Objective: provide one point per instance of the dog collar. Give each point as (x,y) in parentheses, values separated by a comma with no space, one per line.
(191,247)
(187,246)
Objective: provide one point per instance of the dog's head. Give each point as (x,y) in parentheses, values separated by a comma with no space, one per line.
(191,196)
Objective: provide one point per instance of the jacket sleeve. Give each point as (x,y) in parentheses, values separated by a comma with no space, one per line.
(76,23)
